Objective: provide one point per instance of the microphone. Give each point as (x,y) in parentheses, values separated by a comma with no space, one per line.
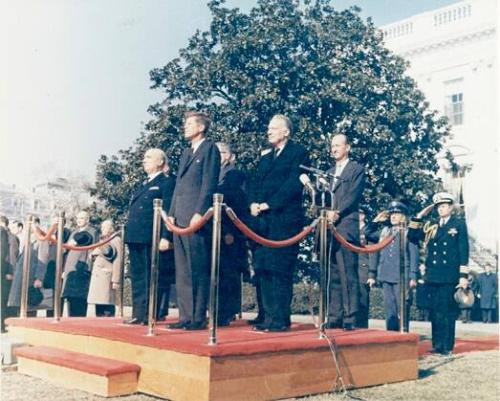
(306,181)
(316,171)
(324,182)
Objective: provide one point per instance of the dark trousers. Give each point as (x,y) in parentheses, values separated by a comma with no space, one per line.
(261,315)
(277,291)
(162,301)
(229,291)
(104,310)
(192,276)
(443,311)
(77,307)
(6,311)
(344,286)
(391,306)
(140,270)
(487,315)
(363,306)
(465,315)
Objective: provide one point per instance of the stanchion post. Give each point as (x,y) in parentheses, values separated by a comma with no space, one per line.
(26,270)
(155,257)
(119,293)
(403,279)
(214,274)
(59,266)
(323,263)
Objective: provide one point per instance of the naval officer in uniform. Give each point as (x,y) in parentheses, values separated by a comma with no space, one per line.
(447,244)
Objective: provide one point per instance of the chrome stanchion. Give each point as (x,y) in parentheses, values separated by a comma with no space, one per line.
(403,278)
(323,263)
(155,256)
(119,292)
(59,267)
(214,275)
(26,270)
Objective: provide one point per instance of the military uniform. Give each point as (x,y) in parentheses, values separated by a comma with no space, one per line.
(447,251)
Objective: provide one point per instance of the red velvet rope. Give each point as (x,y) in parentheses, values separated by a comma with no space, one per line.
(264,241)
(187,230)
(42,236)
(362,249)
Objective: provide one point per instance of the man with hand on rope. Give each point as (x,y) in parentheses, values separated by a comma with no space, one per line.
(276,203)
(347,187)
(447,244)
(139,230)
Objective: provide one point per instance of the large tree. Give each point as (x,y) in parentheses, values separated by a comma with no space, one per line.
(326,69)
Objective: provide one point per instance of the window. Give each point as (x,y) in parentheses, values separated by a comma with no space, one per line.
(455,108)
(454,101)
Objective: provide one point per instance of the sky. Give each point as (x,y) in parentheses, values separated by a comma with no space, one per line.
(74,74)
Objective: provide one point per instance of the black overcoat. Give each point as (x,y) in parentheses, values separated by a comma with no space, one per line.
(277,183)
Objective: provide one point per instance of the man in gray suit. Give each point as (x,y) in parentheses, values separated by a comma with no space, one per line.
(196,183)
(348,187)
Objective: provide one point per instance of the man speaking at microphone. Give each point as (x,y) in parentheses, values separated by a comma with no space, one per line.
(276,203)
(347,188)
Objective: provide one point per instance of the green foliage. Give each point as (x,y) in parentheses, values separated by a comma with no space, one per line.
(328,70)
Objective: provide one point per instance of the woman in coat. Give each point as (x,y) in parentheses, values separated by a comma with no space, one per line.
(106,272)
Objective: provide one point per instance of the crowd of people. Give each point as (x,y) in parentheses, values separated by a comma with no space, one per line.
(271,204)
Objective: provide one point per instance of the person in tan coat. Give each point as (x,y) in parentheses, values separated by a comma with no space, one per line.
(106,271)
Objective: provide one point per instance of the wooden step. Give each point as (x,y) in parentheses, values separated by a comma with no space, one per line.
(102,376)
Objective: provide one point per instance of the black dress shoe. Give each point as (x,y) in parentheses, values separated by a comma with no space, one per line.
(196,326)
(134,320)
(333,325)
(349,327)
(257,320)
(260,327)
(277,329)
(178,325)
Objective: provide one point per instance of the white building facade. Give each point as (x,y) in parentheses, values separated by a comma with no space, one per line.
(452,54)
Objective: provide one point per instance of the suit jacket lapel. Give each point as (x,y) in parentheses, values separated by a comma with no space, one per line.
(144,187)
(272,162)
(189,160)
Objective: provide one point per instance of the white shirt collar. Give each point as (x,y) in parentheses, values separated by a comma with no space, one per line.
(196,145)
(151,177)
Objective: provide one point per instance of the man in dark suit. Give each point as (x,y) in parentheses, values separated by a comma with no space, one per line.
(233,249)
(196,183)
(139,230)
(276,202)
(447,246)
(347,187)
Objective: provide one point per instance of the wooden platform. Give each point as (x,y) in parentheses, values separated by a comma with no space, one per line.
(244,365)
(102,376)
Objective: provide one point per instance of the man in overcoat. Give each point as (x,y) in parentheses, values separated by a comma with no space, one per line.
(487,286)
(195,186)
(139,230)
(276,202)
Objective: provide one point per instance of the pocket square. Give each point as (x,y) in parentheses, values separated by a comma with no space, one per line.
(154,188)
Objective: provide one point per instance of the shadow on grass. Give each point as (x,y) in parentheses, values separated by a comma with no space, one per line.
(431,370)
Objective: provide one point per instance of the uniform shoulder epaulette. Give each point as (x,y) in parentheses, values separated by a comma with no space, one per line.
(266,151)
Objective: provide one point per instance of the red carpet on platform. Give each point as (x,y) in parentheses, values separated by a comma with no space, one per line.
(237,339)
